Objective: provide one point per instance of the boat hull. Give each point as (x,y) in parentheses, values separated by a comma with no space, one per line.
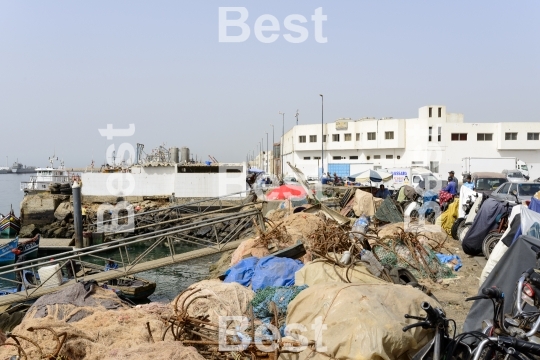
(10,225)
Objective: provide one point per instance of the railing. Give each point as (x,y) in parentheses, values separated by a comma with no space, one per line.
(231,228)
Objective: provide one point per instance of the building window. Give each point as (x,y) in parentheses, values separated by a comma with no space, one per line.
(307,158)
(353,157)
(434,166)
(371,136)
(335,137)
(312,138)
(357,136)
(430,133)
(440,112)
(348,137)
(459,137)
(324,138)
(389,135)
(439,133)
(510,136)
(430,111)
(376,156)
(336,157)
(484,137)
(389,156)
(302,138)
(533,136)
(316,158)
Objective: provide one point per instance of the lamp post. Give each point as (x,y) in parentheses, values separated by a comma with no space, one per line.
(281,142)
(322,134)
(273,152)
(267,169)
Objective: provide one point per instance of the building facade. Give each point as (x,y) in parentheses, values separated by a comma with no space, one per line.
(436,140)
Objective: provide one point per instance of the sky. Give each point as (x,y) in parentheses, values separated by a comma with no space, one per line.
(67,69)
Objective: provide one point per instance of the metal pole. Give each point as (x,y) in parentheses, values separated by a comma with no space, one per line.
(322,134)
(267,168)
(273,151)
(77,215)
(282,140)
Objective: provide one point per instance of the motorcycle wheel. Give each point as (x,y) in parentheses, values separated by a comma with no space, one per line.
(489,243)
(462,230)
(455,228)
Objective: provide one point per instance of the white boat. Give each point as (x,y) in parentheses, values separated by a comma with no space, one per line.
(47,176)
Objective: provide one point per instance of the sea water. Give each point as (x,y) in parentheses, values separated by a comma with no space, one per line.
(170,280)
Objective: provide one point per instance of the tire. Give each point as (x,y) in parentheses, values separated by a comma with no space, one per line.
(431,218)
(460,229)
(464,231)
(455,227)
(414,214)
(402,276)
(489,243)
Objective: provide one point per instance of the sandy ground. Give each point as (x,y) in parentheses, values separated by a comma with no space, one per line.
(453,292)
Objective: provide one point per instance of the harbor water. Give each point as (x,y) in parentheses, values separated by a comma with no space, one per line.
(170,280)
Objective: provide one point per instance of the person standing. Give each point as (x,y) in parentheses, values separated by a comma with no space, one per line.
(468,182)
(451,177)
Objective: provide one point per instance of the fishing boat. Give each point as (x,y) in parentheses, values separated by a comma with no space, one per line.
(10,225)
(130,287)
(48,176)
(29,248)
(7,256)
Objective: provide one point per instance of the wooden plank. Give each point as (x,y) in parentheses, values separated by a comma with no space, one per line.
(113,274)
(49,243)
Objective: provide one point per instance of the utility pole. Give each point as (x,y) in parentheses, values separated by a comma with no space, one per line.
(322,134)
(267,169)
(281,142)
(273,152)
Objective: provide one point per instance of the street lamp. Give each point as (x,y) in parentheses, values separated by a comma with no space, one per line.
(282,140)
(267,169)
(322,134)
(273,152)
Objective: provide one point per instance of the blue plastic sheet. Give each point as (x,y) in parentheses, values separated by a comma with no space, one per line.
(242,272)
(274,271)
(445,259)
(534,205)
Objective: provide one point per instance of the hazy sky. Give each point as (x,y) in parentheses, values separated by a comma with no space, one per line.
(68,68)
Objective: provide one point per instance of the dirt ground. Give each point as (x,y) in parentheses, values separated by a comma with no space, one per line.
(451,293)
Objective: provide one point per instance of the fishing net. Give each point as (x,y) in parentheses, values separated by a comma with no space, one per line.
(420,260)
(388,212)
(281,296)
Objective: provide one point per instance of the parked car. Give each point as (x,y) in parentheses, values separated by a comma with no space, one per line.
(524,191)
(514,175)
(486,182)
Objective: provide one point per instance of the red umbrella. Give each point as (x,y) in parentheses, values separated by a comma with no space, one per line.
(286,192)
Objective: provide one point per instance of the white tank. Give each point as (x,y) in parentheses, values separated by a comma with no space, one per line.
(173,155)
(184,155)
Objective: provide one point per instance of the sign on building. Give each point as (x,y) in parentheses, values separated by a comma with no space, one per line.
(342,125)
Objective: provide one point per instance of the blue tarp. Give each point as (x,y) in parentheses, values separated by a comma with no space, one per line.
(274,271)
(242,272)
(445,259)
(261,273)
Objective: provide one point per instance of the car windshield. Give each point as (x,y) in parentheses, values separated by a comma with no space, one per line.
(524,167)
(528,189)
(516,174)
(488,184)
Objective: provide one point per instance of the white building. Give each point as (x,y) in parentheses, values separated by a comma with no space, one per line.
(436,140)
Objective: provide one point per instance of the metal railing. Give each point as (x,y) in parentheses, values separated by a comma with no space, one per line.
(232,228)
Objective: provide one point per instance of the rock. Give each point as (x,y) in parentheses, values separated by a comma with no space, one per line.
(63,211)
(38,209)
(28,231)
(60,232)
